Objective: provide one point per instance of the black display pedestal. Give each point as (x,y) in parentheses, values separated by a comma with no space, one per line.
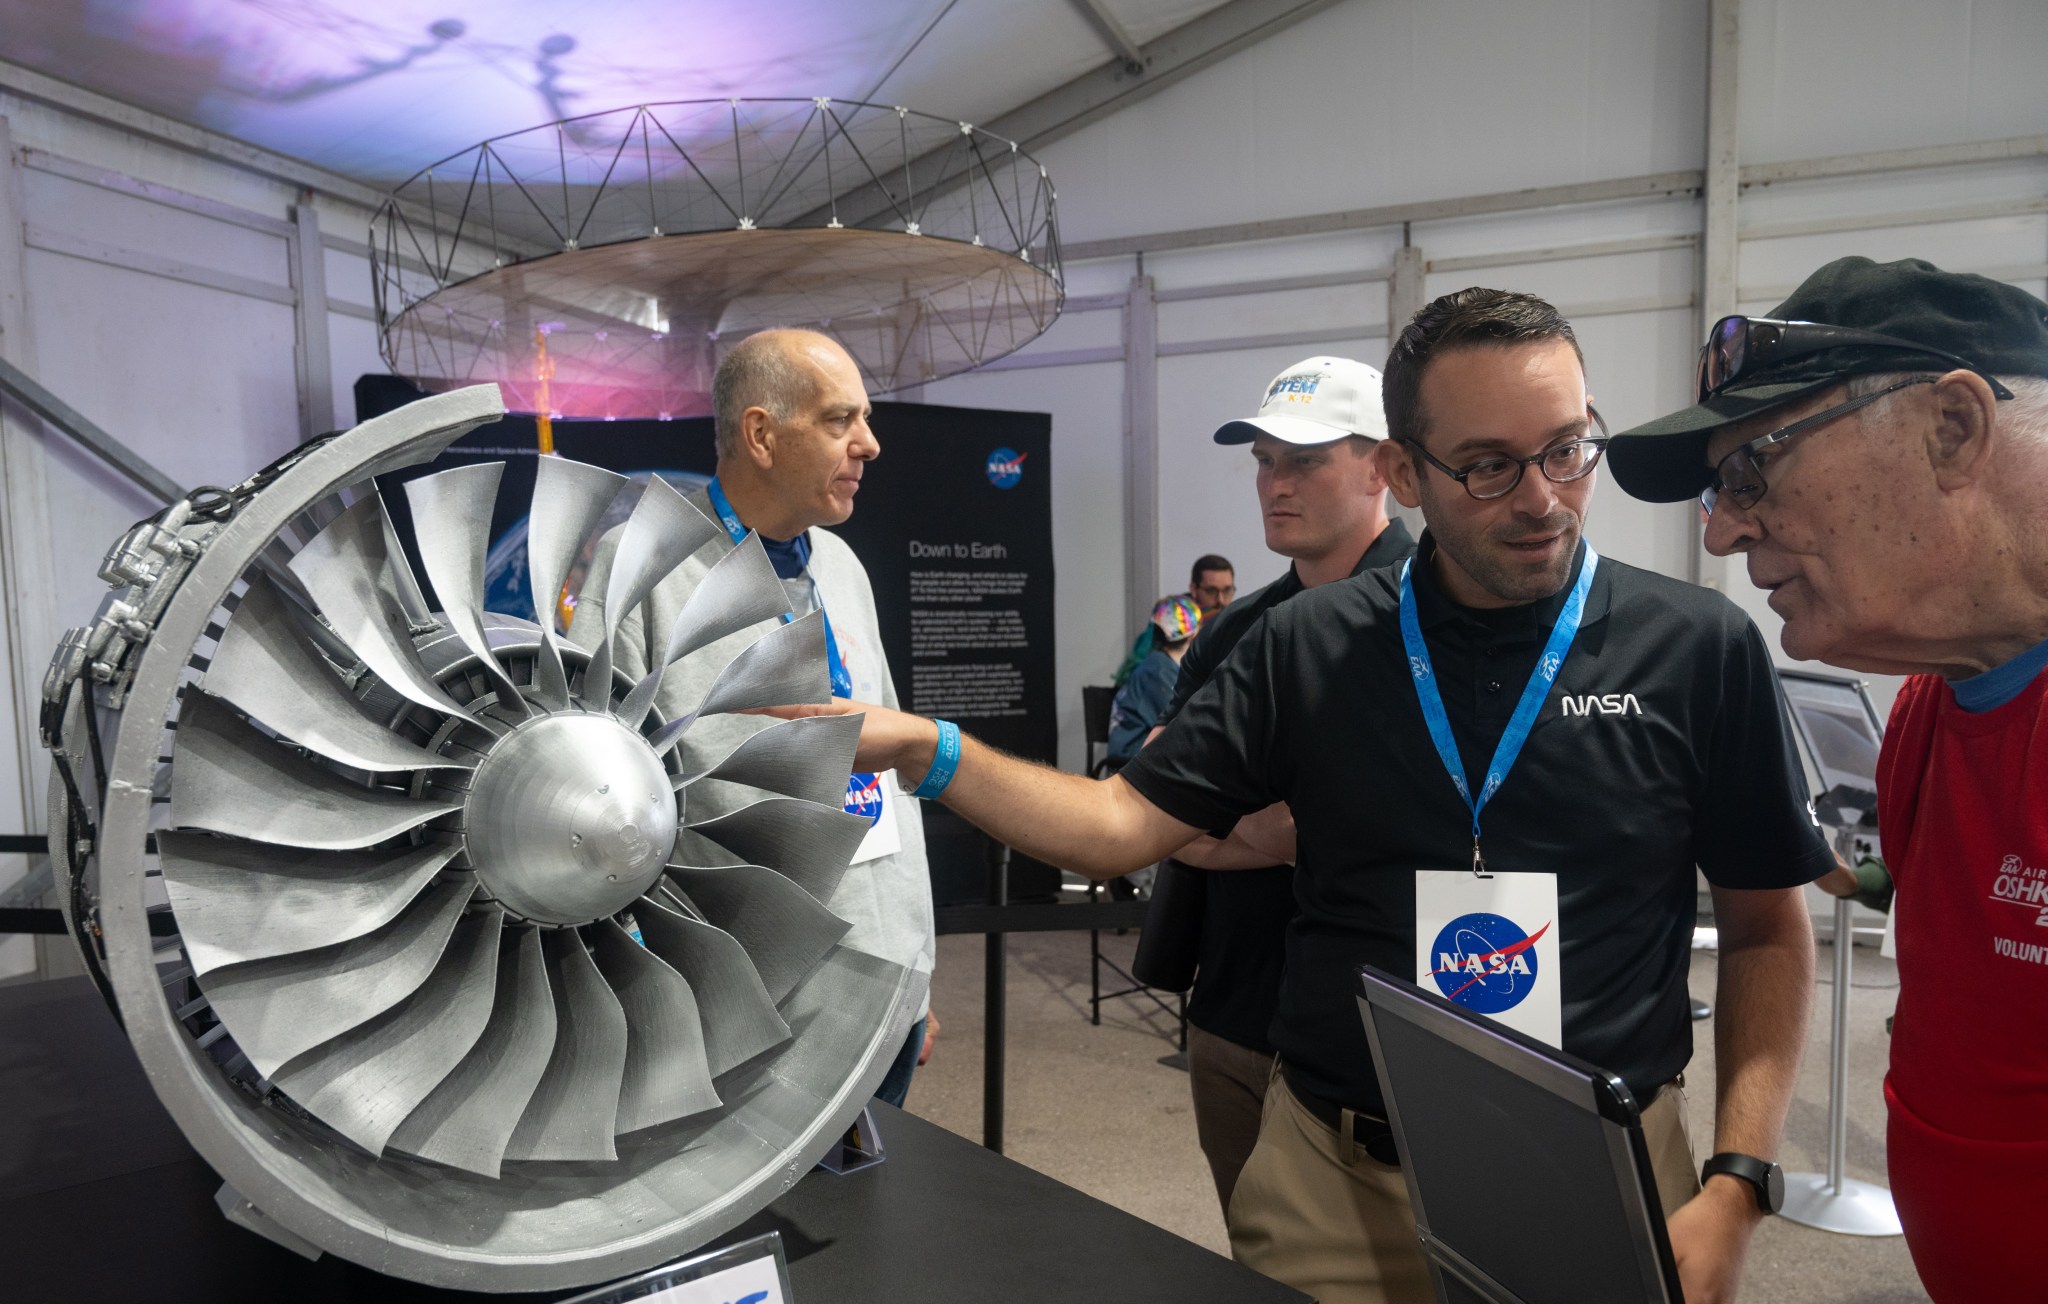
(101,1199)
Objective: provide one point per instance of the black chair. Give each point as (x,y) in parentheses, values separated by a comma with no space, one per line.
(1095,705)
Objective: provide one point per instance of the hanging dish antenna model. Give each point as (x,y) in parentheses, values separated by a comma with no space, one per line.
(597,267)
(387,893)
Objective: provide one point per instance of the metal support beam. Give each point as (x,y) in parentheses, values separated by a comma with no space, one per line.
(27,615)
(32,85)
(1654,186)
(1405,292)
(1896,160)
(1141,450)
(1113,35)
(18,385)
(1720,236)
(1064,110)
(315,365)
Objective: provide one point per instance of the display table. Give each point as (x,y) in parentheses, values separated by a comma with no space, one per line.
(101,1199)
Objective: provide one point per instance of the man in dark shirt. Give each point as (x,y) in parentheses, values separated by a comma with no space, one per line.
(1635,732)
(1323,502)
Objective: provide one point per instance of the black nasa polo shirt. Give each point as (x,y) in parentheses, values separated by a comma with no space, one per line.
(1662,746)
(1242,947)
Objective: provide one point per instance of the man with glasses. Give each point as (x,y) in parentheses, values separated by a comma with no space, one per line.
(1634,731)
(1877,449)
(1212,583)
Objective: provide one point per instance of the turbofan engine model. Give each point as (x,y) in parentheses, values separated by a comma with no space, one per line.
(391,900)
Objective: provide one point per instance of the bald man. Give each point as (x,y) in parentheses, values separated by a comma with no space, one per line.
(793,443)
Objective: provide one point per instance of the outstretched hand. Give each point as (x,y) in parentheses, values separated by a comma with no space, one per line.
(889,740)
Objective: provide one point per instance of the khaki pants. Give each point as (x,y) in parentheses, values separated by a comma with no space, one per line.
(1339,1226)
(1228,1082)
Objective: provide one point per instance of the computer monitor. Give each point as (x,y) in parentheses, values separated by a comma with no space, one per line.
(1839,729)
(1527,1167)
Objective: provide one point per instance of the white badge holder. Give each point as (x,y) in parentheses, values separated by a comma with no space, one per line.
(1491,945)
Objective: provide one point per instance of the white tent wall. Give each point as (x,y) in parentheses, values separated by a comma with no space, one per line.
(159,290)
(1373,104)
(153,290)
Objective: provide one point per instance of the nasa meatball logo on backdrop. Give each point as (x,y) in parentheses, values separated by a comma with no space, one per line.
(1490,945)
(1006,468)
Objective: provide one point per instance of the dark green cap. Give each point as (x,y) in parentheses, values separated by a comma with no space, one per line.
(1998,327)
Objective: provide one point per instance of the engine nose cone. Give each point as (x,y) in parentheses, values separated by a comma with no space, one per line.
(569,818)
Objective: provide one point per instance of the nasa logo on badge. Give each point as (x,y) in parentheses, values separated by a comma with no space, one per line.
(1006,468)
(864,796)
(1486,963)
(1491,946)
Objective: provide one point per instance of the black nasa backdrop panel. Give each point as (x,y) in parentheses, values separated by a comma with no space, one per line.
(954,526)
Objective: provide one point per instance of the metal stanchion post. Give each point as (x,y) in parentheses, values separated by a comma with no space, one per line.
(994,975)
(1829,1201)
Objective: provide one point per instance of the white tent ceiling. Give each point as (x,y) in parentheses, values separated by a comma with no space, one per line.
(377,91)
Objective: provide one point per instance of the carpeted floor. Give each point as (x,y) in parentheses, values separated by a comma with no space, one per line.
(1095,1107)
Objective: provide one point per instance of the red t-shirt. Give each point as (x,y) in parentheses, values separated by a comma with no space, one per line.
(1963,811)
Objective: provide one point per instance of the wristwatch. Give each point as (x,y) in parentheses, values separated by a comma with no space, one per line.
(1765,1176)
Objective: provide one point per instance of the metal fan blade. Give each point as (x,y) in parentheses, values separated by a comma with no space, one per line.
(739,1016)
(569,499)
(469,1118)
(573,1110)
(284,1006)
(808,758)
(237,901)
(782,928)
(230,778)
(357,577)
(784,667)
(451,521)
(266,667)
(663,530)
(741,590)
(666,1074)
(807,843)
(365,1082)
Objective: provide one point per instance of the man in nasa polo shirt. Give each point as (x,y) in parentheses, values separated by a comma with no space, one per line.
(1634,733)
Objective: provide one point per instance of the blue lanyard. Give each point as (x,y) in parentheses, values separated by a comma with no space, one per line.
(842,678)
(1526,710)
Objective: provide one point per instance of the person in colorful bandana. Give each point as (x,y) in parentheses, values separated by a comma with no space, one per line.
(1139,703)
(1876,450)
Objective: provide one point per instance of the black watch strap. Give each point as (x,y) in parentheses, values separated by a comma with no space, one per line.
(1766,1177)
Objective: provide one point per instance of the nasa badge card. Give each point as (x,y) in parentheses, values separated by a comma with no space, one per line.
(1490,945)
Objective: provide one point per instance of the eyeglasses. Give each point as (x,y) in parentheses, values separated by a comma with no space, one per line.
(1740,475)
(1497,476)
(1742,345)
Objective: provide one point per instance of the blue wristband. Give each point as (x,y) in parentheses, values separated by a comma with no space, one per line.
(943,764)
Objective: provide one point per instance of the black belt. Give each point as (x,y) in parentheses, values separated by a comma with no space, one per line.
(1369,1133)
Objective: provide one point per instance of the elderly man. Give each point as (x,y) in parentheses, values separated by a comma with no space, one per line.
(1877,450)
(1365,703)
(793,443)
(1323,501)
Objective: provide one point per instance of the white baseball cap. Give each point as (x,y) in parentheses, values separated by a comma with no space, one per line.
(1317,401)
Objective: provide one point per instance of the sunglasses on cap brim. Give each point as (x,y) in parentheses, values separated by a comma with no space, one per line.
(1744,346)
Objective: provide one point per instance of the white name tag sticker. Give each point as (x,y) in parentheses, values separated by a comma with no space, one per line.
(1491,946)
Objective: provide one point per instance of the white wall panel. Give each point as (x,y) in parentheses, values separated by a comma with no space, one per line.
(1846,76)
(1371,103)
